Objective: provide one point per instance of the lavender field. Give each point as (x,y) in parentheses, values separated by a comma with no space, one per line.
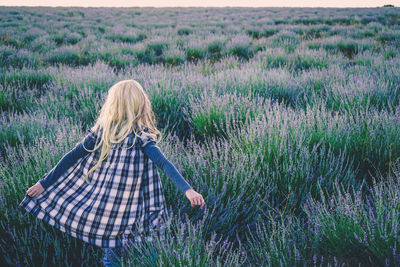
(286,120)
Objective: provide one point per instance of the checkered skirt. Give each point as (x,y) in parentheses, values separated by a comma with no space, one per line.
(123,201)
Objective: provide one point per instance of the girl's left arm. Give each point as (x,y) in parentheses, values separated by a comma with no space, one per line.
(154,153)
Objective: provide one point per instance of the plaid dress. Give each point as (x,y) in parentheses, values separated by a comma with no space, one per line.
(123,201)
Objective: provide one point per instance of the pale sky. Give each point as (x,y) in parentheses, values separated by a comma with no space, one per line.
(201,3)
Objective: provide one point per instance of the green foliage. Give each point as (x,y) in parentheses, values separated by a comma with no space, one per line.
(169,104)
(23,129)
(184,31)
(17,59)
(25,79)
(308,21)
(243,52)
(347,223)
(65,39)
(348,49)
(12,100)
(153,53)
(314,32)
(70,58)
(280,21)
(289,40)
(388,38)
(215,50)
(257,34)
(194,54)
(156,48)
(306,62)
(313,45)
(126,38)
(279,235)
(361,35)
(173,60)
(339,21)
(183,246)
(389,54)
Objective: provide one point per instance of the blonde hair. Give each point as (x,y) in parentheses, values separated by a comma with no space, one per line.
(127,107)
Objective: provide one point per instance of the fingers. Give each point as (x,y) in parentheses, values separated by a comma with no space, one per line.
(34,191)
(199,201)
(31,192)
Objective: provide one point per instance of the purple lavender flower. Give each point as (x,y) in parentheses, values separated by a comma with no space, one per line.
(213,243)
(355,235)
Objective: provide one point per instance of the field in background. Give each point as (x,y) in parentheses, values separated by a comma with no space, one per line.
(286,120)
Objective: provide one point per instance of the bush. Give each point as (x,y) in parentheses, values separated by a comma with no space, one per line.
(349,49)
(215,50)
(25,79)
(184,31)
(127,38)
(10,57)
(257,34)
(288,39)
(390,37)
(348,222)
(307,21)
(241,51)
(171,60)
(70,58)
(156,48)
(194,54)
(183,246)
(67,39)
(389,54)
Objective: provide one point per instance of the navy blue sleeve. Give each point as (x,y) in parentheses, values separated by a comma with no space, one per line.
(154,153)
(67,161)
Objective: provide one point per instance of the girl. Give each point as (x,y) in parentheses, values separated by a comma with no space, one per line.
(108,187)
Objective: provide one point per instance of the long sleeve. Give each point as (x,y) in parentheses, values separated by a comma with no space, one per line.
(68,160)
(154,153)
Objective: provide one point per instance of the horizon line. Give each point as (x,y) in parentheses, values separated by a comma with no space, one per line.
(198,6)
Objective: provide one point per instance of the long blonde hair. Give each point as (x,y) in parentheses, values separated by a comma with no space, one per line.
(127,108)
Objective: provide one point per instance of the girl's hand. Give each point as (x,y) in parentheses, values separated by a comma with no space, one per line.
(35,190)
(195,198)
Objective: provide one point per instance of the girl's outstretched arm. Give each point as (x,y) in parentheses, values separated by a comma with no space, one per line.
(154,153)
(67,161)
